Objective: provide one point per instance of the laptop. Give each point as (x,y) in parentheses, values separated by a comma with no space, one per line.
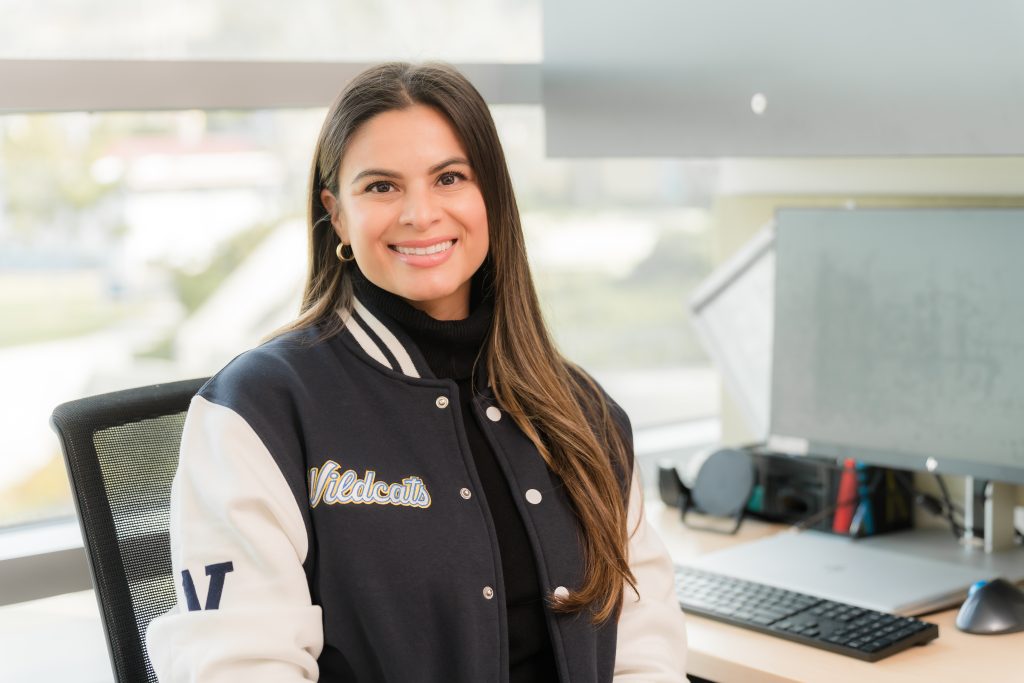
(848,570)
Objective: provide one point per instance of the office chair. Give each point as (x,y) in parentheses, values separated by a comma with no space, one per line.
(121,452)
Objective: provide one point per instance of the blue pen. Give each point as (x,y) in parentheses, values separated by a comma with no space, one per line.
(864,509)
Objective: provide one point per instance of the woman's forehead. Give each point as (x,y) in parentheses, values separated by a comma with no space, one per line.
(410,140)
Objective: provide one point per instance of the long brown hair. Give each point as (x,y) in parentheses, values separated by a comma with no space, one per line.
(556,405)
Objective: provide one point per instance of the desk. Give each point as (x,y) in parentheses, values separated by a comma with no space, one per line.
(727,654)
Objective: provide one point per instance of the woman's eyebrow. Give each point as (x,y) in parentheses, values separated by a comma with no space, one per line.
(380,172)
(448,162)
(375,172)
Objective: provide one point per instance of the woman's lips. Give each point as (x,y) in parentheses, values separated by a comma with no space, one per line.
(424,253)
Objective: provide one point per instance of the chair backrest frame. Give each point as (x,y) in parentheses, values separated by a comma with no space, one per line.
(75,423)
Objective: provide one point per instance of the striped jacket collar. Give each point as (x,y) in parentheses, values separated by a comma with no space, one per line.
(383,340)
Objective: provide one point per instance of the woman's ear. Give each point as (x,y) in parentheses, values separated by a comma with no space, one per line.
(331,204)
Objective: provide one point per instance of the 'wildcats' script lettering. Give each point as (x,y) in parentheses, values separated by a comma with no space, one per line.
(330,485)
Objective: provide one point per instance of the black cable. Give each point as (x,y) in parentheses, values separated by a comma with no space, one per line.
(958,530)
(943,508)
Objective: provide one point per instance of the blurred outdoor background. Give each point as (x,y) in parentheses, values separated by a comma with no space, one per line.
(145,246)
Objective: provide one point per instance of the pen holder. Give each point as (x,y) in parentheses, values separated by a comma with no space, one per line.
(819,493)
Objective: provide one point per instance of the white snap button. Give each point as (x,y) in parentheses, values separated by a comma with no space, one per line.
(562,592)
(488,592)
(441,402)
(466,493)
(533,496)
(493,414)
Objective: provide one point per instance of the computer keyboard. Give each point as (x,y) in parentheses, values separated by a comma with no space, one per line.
(833,626)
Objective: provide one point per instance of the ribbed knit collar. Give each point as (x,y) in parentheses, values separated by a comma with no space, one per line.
(450,347)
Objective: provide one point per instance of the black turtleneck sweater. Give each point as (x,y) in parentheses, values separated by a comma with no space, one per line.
(451,348)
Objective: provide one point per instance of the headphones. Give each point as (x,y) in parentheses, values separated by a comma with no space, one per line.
(716,482)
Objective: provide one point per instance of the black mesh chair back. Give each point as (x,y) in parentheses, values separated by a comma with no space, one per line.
(121,451)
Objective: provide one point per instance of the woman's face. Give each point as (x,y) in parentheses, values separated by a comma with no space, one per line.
(409,204)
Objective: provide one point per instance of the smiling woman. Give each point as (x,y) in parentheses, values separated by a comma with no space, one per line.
(420,356)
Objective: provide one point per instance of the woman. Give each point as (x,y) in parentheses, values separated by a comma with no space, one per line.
(409,483)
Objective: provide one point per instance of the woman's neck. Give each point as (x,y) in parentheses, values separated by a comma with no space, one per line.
(455,306)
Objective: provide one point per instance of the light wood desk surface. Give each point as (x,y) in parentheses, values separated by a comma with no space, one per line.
(727,654)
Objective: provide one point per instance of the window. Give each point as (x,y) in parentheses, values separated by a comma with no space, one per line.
(468,31)
(140,247)
(116,230)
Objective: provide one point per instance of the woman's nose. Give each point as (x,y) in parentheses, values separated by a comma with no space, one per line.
(421,208)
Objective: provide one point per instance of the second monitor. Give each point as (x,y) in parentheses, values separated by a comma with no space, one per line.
(899,337)
(898,341)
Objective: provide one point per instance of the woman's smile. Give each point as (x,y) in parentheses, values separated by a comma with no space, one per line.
(424,253)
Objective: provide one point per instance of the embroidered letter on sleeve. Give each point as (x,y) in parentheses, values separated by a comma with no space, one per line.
(216,572)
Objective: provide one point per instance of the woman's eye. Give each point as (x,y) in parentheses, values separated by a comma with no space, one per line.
(379,187)
(451,177)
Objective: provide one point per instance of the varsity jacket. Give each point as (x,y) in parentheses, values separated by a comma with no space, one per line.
(327,523)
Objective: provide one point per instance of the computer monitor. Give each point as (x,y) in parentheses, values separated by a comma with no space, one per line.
(898,341)
(899,338)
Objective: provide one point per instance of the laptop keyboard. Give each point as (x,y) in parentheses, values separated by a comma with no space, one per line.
(837,627)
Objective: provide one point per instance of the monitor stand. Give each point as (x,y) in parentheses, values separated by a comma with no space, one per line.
(998,501)
(908,572)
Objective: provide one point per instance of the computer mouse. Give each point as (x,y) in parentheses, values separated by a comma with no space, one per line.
(992,607)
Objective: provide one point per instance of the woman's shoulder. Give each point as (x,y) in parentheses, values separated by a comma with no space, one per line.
(265,370)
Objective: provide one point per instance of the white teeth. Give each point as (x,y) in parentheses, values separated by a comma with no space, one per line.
(423,251)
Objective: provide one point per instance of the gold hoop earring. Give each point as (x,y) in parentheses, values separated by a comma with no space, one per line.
(340,251)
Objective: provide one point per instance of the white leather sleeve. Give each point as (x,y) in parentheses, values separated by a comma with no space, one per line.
(651,644)
(231,503)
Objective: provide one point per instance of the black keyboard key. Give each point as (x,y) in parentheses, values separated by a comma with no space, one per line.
(905,631)
(873,646)
(886,640)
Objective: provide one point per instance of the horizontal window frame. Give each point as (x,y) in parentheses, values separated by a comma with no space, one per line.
(62,85)
(42,559)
